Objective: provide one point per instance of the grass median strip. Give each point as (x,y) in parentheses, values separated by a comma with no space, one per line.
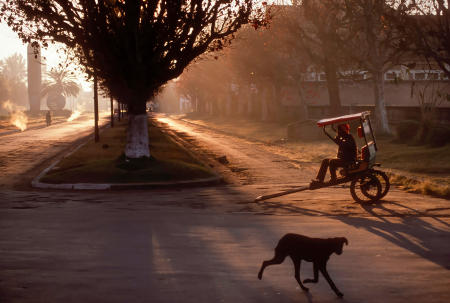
(104,162)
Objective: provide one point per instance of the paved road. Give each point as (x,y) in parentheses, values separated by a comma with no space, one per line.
(206,244)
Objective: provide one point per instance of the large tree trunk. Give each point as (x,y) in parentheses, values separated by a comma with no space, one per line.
(137,136)
(382,123)
(333,88)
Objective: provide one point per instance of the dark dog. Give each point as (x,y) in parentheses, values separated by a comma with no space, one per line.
(314,250)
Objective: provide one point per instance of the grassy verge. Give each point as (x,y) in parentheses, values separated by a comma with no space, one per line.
(419,169)
(104,162)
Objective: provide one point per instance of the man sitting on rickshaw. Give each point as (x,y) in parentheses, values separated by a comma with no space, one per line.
(346,155)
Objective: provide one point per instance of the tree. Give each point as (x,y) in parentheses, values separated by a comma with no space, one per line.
(318,28)
(260,59)
(373,46)
(4,89)
(61,83)
(134,46)
(206,82)
(14,73)
(14,68)
(425,25)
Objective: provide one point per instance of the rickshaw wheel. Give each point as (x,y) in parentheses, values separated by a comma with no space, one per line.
(384,181)
(365,188)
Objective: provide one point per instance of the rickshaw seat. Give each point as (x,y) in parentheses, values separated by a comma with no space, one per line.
(360,132)
(361,164)
(358,166)
(365,154)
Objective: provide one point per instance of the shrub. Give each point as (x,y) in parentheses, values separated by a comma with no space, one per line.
(407,130)
(438,135)
(423,132)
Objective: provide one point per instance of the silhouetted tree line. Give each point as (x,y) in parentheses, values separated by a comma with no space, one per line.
(330,36)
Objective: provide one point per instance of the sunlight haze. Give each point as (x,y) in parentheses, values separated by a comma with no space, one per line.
(11,44)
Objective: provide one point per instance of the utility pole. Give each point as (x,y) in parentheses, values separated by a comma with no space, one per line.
(112,110)
(96,132)
(118,111)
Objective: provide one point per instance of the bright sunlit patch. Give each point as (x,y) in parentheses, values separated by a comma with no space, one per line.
(173,124)
(17,116)
(74,115)
(166,121)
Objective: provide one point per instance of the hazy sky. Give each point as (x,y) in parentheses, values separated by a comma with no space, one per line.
(10,44)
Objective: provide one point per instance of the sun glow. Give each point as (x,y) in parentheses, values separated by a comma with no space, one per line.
(11,44)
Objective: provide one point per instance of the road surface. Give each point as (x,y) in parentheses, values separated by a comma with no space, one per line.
(23,154)
(207,244)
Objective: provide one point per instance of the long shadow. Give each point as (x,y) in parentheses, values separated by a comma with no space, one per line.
(411,232)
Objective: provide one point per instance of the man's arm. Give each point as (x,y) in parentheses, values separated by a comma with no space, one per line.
(335,139)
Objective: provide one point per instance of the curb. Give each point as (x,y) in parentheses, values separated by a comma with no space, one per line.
(217,179)
(125,186)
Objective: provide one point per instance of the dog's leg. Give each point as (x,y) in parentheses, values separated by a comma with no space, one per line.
(297,262)
(316,275)
(323,270)
(277,259)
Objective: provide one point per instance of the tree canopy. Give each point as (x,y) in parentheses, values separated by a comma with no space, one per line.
(425,25)
(60,82)
(134,46)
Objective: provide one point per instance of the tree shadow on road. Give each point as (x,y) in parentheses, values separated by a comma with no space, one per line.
(415,233)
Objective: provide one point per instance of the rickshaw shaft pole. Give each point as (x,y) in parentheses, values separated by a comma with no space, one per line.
(286,192)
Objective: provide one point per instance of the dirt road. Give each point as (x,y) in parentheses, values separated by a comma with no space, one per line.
(23,154)
(258,168)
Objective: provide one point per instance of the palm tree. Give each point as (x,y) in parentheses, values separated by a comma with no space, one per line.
(13,73)
(14,68)
(60,84)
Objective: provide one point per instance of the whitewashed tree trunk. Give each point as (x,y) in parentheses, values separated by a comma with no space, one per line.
(380,104)
(137,137)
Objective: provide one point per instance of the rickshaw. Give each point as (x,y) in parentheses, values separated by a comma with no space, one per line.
(367,184)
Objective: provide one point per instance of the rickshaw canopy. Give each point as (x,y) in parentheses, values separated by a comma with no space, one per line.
(346,118)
